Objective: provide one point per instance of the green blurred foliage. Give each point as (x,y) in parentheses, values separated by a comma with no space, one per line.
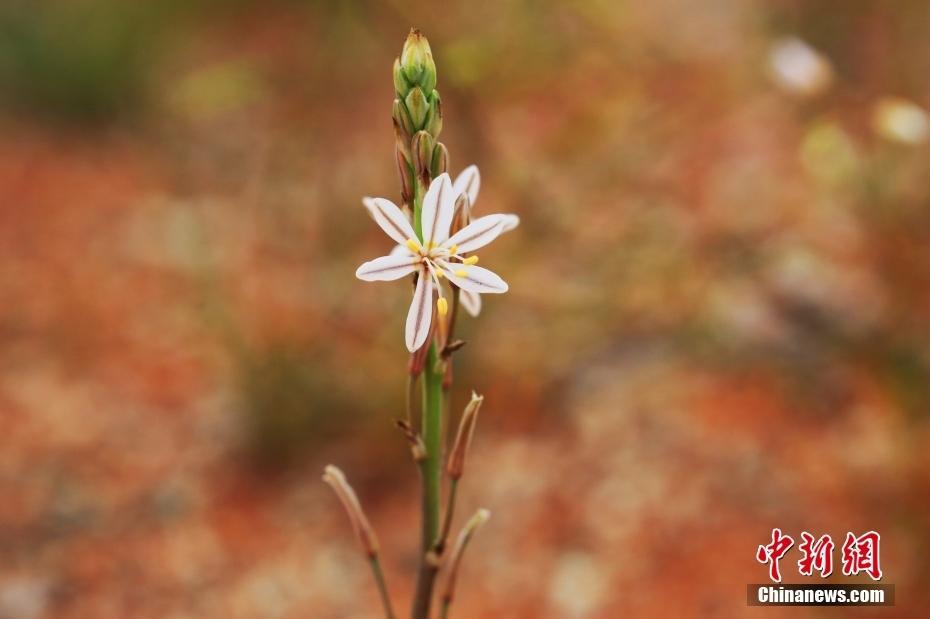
(292,404)
(85,60)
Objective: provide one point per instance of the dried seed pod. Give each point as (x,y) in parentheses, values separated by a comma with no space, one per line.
(363,530)
(473,524)
(455,466)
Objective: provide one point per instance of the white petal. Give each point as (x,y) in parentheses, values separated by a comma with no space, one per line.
(478,233)
(369,204)
(387,268)
(438,208)
(473,278)
(511,221)
(391,219)
(468,182)
(400,250)
(471,301)
(420,314)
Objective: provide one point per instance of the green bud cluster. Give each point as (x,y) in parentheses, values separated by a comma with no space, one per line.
(417,115)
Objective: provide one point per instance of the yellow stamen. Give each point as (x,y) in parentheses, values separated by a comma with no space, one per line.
(413,246)
(440,274)
(461,273)
(470,260)
(443,306)
(454,249)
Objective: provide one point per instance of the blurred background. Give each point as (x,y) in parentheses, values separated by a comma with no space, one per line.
(717,324)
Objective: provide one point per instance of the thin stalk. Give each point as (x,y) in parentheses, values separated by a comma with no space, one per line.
(447,520)
(408,399)
(432,438)
(382,588)
(431,430)
(455,560)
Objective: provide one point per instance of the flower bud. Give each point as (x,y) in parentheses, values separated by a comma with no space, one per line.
(402,129)
(461,216)
(402,120)
(456,464)
(405,172)
(433,121)
(366,535)
(440,161)
(401,84)
(418,106)
(416,61)
(422,148)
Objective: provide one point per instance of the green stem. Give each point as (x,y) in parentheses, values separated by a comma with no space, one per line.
(382,588)
(408,399)
(432,438)
(431,430)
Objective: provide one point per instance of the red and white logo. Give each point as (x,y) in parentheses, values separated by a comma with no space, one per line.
(859,554)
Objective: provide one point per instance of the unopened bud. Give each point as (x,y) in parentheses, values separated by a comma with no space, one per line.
(416,61)
(456,464)
(433,121)
(474,523)
(461,216)
(401,83)
(402,120)
(418,106)
(366,535)
(405,172)
(440,162)
(422,148)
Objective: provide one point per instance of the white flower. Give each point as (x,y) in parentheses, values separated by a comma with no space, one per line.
(437,256)
(468,183)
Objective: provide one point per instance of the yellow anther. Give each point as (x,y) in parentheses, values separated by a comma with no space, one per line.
(440,274)
(443,306)
(431,245)
(461,273)
(470,260)
(454,249)
(413,246)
